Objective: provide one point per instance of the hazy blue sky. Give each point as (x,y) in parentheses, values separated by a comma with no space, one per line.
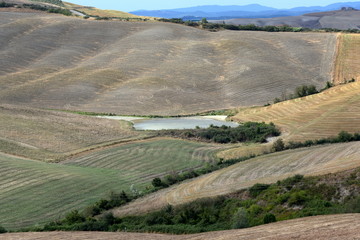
(132,5)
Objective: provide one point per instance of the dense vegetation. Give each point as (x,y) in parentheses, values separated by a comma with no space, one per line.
(63,11)
(55,2)
(342,137)
(251,27)
(247,132)
(291,198)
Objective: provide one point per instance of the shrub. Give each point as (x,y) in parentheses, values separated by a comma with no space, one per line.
(278,145)
(257,189)
(240,219)
(74,217)
(269,218)
(2,230)
(298,198)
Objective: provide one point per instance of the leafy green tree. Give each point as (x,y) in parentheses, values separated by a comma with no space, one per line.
(345,136)
(240,219)
(278,145)
(269,218)
(204,21)
(2,230)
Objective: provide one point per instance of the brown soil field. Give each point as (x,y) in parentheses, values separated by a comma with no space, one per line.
(267,169)
(49,135)
(52,61)
(332,227)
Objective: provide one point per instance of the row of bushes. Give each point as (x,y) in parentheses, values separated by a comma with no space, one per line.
(252,27)
(246,132)
(171,179)
(63,11)
(293,197)
(342,137)
(55,2)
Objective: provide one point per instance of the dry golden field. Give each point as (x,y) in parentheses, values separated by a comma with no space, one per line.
(52,61)
(347,61)
(49,135)
(312,117)
(270,168)
(332,227)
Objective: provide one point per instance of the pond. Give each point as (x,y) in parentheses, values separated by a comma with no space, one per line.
(175,123)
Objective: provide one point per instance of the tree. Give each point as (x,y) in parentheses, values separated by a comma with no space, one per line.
(269,218)
(157,183)
(2,230)
(240,219)
(278,145)
(204,21)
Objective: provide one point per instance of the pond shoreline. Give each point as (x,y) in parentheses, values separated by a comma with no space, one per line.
(143,123)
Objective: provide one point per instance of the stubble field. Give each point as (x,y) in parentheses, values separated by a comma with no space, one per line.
(151,68)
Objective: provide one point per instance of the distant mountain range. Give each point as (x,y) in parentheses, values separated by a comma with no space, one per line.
(215,12)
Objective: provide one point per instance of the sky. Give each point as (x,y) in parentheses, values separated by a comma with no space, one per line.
(133,5)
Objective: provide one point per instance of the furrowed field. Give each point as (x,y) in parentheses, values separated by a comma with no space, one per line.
(270,168)
(104,66)
(36,192)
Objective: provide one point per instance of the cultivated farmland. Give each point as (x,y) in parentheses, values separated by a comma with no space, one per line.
(331,227)
(312,117)
(265,169)
(51,61)
(347,61)
(36,192)
(49,135)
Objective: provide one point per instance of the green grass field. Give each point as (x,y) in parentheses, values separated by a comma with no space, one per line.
(34,192)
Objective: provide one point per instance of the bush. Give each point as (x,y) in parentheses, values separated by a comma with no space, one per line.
(257,189)
(2,230)
(269,218)
(278,145)
(240,219)
(74,217)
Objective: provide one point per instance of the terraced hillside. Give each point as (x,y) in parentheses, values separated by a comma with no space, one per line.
(35,192)
(313,117)
(52,61)
(265,169)
(49,135)
(320,227)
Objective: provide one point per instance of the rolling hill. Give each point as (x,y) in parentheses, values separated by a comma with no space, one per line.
(46,191)
(216,12)
(264,169)
(51,136)
(334,19)
(51,61)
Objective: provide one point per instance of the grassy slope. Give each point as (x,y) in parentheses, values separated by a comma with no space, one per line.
(320,227)
(150,158)
(265,169)
(104,66)
(35,192)
(49,135)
